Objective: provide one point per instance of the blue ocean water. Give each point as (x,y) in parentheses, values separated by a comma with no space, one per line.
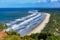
(7,16)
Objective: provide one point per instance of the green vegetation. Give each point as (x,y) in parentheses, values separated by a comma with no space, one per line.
(2,26)
(50,32)
(54,22)
(37,36)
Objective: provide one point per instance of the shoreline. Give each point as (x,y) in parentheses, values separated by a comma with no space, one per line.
(40,27)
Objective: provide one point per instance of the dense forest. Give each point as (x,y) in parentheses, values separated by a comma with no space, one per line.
(50,32)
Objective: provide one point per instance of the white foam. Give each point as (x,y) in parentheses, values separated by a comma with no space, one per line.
(24,22)
(15,26)
(30,25)
(13,22)
(34,11)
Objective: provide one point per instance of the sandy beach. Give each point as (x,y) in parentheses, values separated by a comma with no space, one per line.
(40,27)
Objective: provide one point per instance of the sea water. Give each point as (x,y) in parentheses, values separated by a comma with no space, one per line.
(10,14)
(7,16)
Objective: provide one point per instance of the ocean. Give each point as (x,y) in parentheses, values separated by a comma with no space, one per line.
(7,16)
(11,14)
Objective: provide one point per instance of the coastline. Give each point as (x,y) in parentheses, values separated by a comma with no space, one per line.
(40,27)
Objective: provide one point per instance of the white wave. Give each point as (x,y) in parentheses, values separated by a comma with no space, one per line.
(30,24)
(14,26)
(33,11)
(25,22)
(13,22)
(21,30)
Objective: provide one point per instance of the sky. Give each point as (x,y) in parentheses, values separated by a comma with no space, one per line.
(29,3)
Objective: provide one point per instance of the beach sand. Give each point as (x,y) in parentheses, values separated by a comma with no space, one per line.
(40,27)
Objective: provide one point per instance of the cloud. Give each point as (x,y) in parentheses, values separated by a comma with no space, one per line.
(54,0)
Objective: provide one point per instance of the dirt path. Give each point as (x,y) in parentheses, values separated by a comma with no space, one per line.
(2,35)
